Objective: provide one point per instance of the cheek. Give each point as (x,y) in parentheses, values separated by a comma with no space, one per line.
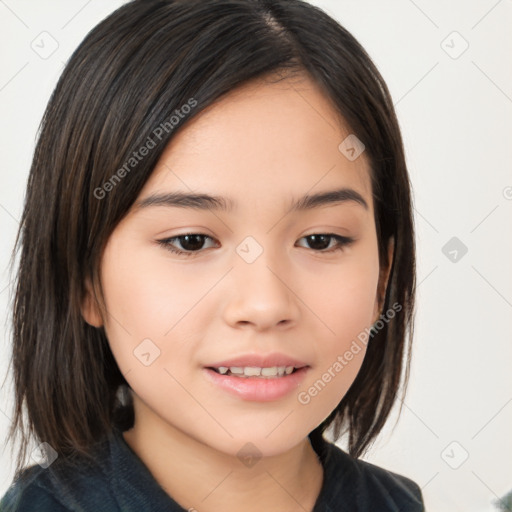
(344,296)
(144,293)
(345,309)
(146,302)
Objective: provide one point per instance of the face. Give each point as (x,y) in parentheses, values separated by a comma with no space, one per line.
(259,284)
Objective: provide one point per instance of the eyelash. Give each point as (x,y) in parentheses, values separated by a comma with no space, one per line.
(342,242)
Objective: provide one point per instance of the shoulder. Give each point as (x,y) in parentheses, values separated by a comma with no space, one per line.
(369,487)
(60,488)
(28,493)
(386,486)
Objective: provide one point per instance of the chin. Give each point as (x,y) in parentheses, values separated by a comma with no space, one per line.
(248,449)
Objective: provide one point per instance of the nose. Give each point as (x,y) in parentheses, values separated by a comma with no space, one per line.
(261,295)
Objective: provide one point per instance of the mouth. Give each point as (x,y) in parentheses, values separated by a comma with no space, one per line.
(257,383)
(257,377)
(272,372)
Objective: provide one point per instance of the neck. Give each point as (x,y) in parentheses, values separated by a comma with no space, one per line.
(201,478)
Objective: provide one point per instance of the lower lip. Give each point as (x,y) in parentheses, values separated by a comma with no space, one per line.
(258,389)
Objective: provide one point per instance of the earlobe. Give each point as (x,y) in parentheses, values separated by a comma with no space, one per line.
(89,307)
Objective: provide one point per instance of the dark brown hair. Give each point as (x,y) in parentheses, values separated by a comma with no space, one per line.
(131,74)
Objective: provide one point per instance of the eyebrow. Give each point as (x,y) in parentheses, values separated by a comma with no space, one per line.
(201,201)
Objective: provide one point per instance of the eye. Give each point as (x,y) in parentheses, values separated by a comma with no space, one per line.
(194,242)
(321,242)
(191,243)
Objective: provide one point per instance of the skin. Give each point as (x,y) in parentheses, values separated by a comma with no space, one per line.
(261,146)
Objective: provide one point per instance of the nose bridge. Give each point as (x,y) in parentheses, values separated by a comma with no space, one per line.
(261,292)
(259,267)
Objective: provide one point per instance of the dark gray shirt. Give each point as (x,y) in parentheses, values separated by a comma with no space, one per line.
(120,482)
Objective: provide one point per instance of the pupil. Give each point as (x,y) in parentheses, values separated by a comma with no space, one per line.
(318,237)
(192,246)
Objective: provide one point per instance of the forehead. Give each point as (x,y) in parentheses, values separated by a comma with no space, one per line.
(263,140)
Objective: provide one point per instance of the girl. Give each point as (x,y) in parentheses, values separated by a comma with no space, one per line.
(217,266)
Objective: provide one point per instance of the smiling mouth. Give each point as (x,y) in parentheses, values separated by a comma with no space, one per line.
(254,371)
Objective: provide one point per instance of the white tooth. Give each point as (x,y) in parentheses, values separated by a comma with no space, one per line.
(251,371)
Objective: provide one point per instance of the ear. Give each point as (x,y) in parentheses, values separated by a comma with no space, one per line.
(89,307)
(383,281)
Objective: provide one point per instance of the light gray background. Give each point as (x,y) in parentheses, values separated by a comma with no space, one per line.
(455,111)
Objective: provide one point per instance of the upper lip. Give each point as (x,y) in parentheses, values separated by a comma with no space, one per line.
(259,361)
